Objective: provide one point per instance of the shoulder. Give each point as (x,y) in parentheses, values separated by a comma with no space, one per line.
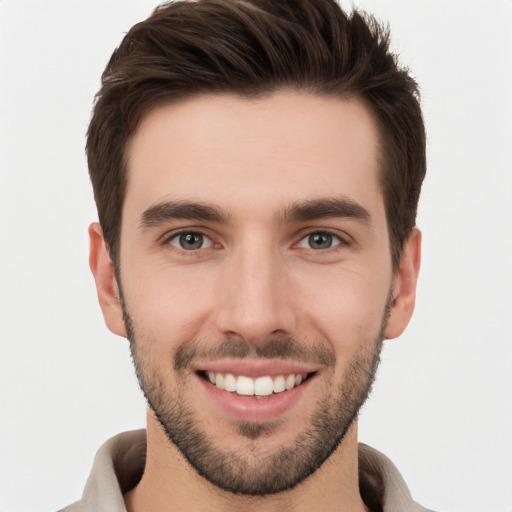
(382,486)
(118,466)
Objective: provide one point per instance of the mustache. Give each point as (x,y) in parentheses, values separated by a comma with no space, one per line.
(285,347)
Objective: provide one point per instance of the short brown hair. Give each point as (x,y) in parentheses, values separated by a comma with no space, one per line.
(253,48)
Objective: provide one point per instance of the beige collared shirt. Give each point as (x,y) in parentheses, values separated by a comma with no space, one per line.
(119,464)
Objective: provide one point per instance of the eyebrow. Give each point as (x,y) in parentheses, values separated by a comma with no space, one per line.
(324,209)
(296,212)
(169,210)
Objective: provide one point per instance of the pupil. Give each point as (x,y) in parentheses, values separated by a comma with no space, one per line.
(320,241)
(191,241)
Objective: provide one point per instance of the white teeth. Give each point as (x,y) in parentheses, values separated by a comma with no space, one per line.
(279,384)
(244,386)
(260,387)
(263,386)
(290,382)
(229,382)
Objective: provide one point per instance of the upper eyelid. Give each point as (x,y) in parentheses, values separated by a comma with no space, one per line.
(169,235)
(343,236)
(342,241)
(176,238)
(167,242)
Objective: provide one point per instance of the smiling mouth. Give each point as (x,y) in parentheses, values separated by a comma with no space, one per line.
(261,387)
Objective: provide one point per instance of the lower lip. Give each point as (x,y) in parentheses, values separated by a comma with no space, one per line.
(255,409)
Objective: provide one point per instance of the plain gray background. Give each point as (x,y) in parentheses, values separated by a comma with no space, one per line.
(441,408)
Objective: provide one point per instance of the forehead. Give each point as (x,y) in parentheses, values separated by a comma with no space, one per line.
(261,153)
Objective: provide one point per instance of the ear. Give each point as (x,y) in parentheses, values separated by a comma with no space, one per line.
(106,284)
(404,286)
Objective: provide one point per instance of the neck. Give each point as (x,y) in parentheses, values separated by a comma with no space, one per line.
(170,483)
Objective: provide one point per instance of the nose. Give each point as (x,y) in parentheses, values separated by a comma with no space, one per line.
(255,302)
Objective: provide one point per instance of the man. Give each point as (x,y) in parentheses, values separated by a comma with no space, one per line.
(256,167)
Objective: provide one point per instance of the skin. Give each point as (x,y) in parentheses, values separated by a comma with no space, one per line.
(257,276)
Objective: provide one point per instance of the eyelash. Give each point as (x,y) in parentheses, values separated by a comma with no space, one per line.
(341,241)
(175,236)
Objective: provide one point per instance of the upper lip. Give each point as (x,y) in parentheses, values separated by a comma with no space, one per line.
(255,368)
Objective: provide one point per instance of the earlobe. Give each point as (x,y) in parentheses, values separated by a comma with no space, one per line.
(404,286)
(106,284)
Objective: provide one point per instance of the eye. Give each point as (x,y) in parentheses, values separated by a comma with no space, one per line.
(190,241)
(319,240)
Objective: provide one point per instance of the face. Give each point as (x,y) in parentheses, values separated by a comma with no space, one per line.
(255,279)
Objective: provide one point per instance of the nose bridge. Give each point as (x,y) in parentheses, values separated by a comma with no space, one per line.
(254,301)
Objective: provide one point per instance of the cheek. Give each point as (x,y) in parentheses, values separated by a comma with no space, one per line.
(345,307)
(168,306)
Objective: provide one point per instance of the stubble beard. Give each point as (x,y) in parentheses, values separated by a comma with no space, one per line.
(258,472)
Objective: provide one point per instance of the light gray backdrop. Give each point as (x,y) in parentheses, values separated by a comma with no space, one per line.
(441,408)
